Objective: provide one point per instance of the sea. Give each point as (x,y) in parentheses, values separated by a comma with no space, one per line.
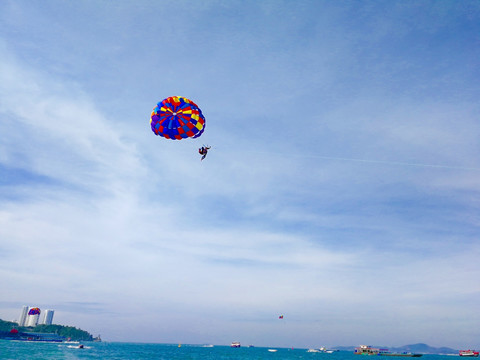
(23,350)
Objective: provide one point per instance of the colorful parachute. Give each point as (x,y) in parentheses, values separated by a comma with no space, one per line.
(34,311)
(177,118)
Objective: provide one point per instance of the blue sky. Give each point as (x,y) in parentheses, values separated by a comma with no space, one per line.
(342,188)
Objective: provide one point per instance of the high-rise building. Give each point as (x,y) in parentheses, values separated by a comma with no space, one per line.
(32,317)
(48,317)
(23,316)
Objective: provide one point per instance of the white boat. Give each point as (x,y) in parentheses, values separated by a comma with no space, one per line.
(322,350)
(469,353)
(235,344)
(272,350)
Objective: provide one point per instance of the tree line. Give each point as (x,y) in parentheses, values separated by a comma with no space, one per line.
(66,331)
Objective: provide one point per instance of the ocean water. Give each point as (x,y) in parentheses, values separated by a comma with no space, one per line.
(20,350)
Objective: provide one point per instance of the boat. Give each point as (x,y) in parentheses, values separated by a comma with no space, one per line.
(272,350)
(322,350)
(469,353)
(80,346)
(235,344)
(17,335)
(368,350)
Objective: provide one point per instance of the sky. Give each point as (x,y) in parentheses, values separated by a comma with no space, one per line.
(341,190)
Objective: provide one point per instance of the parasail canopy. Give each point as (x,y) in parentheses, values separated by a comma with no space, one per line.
(34,311)
(177,118)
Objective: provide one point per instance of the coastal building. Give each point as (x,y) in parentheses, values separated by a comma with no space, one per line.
(23,316)
(32,320)
(48,317)
(32,317)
